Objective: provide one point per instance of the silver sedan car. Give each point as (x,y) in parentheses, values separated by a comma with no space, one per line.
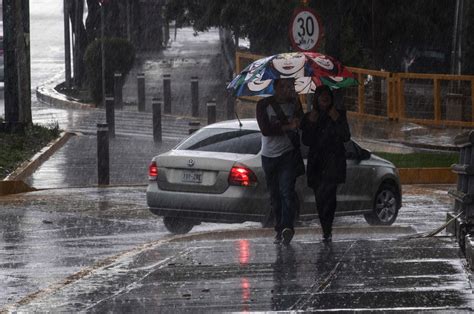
(216,175)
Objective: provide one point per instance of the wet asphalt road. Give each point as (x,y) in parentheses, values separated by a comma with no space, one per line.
(51,234)
(98,235)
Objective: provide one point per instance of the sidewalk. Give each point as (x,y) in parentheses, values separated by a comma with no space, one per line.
(358,272)
(132,265)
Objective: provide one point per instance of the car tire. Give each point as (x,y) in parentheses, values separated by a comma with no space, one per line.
(385,208)
(178,225)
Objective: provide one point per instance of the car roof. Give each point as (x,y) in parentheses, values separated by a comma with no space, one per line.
(247,124)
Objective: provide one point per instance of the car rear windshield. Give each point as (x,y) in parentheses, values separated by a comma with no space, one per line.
(224,140)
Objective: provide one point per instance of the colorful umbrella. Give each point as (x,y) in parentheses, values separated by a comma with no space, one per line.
(309,69)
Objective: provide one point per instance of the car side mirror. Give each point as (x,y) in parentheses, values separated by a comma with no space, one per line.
(364,154)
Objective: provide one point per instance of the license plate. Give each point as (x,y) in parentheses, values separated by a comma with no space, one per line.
(192,176)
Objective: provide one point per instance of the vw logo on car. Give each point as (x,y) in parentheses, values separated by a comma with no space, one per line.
(191,162)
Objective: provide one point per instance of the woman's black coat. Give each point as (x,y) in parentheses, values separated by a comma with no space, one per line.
(327,155)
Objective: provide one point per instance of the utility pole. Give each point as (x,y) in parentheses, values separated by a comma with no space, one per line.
(16,41)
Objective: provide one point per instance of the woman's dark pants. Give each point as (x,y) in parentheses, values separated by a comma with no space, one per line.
(325,194)
(280,177)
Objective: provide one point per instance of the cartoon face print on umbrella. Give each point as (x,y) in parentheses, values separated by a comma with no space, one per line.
(304,85)
(323,65)
(289,65)
(258,85)
(324,62)
(309,69)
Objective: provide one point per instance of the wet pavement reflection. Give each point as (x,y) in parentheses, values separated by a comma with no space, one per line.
(84,250)
(203,276)
(49,235)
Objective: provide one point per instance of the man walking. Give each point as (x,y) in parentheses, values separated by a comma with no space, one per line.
(278,118)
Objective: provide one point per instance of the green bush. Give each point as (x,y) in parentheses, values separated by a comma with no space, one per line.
(119,57)
(421,160)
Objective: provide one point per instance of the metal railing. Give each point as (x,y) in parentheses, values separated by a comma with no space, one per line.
(463,196)
(431,99)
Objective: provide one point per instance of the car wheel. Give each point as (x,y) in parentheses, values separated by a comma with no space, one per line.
(178,225)
(385,209)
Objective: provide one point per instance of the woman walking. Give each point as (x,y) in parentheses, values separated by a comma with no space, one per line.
(325,130)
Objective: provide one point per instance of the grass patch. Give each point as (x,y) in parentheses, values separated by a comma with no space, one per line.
(421,160)
(16,147)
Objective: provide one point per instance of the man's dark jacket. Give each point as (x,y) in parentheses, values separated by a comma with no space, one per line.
(327,155)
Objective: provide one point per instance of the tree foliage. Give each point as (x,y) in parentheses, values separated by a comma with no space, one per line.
(377,33)
(119,57)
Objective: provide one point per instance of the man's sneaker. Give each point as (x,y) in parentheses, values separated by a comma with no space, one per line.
(287,235)
(277,238)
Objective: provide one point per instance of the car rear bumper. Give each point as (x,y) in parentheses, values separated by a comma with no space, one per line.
(206,216)
(236,204)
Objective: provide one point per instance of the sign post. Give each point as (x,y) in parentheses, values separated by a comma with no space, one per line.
(306,30)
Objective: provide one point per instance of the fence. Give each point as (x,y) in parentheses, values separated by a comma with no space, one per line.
(432,99)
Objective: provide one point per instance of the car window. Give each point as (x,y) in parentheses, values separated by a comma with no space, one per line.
(224,141)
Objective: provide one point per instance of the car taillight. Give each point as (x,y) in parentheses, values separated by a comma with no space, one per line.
(242,176)
(152,171)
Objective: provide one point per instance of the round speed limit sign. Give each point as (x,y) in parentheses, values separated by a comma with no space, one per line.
(305,29)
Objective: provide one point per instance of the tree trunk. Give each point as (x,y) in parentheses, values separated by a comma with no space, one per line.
(17,62)
(76,14)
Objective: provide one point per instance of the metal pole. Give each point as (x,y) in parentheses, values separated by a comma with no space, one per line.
(211,111)
(103,154)
(110,115)
(195,96)
(67,44)
(102,51)
(157,131)
(167,93)
(141,91)
(118,96)
(455,36)
(460,28)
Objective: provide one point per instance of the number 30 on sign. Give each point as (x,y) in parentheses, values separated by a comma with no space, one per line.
(305,30)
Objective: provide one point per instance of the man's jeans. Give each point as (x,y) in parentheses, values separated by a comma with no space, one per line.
(280,177)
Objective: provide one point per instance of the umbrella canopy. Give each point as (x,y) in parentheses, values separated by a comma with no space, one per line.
(309,70)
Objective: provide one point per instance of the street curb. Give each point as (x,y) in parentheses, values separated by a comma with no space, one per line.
(269,232)
(14,187)
(29,166)
(429,146)
(47,94)
(427,176)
